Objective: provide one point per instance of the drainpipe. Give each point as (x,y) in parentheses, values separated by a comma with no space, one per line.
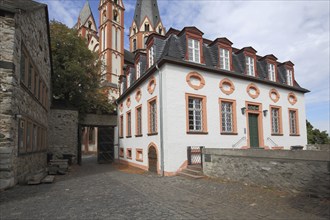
(118,139)
(161,120)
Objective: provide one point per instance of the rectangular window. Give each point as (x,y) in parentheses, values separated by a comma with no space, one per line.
(30,75)
(249,66)
(276,120)
(36,86)
(152,119)
(24,60)
(138,70)
(289,77)
(271,72)
(138,122)
(193,50)
(129,153)
(21,136)
(224,59)
(139,154)
(129,125)
(151,56)
(121,126)
(121,152)
(29,137)
(228,116)
(293,120)
(196,121)
(128,80)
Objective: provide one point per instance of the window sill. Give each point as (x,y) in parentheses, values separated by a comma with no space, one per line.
(197,132)
(122,156)
(121,137)
(138,135)
(129,136)
(139,160)
(151,134)
(277,134)
(294,134)
(130,158)
(228,133)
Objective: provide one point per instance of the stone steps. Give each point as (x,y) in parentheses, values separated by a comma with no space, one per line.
(192,171)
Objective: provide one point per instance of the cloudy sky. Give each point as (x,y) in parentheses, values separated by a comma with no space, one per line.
(291,30)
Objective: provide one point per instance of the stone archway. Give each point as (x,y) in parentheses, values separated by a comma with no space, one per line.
(152,159)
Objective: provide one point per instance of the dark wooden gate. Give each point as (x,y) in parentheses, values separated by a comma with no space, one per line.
(105,148)
(152,157)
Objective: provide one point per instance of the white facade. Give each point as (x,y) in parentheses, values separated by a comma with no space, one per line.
(176,139)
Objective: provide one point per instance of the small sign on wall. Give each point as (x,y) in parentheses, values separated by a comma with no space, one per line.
(207,158)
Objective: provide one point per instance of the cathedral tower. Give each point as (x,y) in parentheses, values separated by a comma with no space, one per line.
(111,39)
(145,22)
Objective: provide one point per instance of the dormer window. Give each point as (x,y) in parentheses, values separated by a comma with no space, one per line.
(249,66)
(289,77)
(224,59)
(271,72)
(128,80)
(193,50)
(151,56)
(146,27)
(138,70)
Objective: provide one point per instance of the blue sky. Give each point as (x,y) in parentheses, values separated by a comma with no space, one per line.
(291,30)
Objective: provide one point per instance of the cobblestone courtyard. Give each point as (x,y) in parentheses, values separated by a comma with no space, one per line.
(95,191)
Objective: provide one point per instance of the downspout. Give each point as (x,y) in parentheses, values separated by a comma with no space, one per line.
(118,141)
(161,121)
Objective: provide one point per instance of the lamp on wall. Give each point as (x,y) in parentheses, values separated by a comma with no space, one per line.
(243,110)
(265,112)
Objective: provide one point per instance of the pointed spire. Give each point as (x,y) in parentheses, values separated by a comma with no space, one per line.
(85,13)
(146,8)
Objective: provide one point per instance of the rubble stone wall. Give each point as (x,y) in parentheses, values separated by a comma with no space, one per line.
(298,171)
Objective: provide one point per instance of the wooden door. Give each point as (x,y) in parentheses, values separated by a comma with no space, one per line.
(253,130)
(152,157)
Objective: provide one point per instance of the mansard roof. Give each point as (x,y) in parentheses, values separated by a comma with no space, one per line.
(171,48)
(146,8)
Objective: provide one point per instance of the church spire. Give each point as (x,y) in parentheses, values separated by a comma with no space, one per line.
(145,22)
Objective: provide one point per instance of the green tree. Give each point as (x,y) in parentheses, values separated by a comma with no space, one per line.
(315,136)
(76,71)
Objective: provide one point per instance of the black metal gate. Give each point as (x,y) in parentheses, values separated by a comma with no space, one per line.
(194,155)
(105,149)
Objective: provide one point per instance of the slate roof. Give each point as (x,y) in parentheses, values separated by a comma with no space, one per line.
(172,48)
(147,8)
(85,13)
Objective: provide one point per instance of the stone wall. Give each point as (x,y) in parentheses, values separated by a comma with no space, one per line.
(99,120)
(29,28)
(63,132)
(302,171)
(322,147)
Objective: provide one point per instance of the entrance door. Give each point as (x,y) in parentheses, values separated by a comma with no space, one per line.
(152,157)
(105,148)
(254,130)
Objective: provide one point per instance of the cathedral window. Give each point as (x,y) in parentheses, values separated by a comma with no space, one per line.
(134,30)
(115,15)
(134,44)
(138,70)
(115,1)
(128,80)
(160,30)
(104,14)
(145,41)
(89,25)
(146,27)
(193,50)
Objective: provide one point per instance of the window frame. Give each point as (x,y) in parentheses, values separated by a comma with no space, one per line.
(121,126)
(271,72)
(150,119)
(223,58)
(203,114)
(139,151)
(128,124)
(233,115)
(249,58)
(129,153)
(280,125)
(289,76)
(194,50)
(138,121)
(296,133)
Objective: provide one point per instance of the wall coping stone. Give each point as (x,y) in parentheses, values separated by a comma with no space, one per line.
(271,154)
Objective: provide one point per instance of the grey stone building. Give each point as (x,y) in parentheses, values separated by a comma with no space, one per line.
(25,89)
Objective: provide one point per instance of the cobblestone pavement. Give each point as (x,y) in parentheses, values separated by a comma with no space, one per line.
(95,191)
